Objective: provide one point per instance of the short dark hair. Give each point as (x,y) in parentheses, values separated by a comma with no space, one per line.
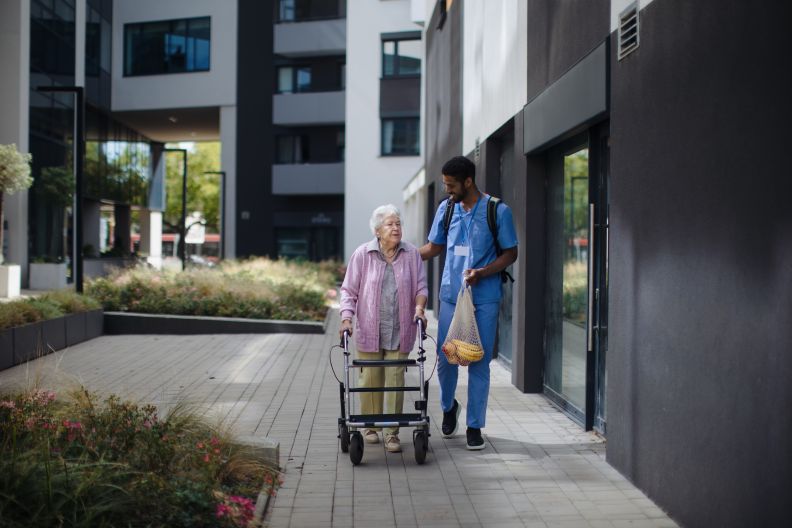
(460,168)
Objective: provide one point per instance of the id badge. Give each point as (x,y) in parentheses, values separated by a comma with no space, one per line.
(461,251)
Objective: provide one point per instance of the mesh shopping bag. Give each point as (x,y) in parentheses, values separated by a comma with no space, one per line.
(462,345)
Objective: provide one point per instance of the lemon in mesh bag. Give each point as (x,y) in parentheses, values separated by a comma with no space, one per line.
(462,344)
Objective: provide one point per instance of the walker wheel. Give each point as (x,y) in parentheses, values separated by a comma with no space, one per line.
(421,444)
(343,434)
(356,447)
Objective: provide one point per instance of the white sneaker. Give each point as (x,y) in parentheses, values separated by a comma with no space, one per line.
(392,444)
(370,436)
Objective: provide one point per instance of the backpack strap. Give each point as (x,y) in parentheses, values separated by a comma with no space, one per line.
(449,214)
(492,222)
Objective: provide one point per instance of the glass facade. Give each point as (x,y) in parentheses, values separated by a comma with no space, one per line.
(52,54)
(294,79)
(567,278)
(401,58)
(98,52)
(117,162)
(400,136)
(169,46)
(116,166)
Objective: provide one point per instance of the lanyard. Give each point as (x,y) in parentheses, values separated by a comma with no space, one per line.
(472,217)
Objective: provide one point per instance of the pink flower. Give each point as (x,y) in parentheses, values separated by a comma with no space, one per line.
(199,445)
(147,424)
(8,404)
(206,458)
(222,510)
(214,441)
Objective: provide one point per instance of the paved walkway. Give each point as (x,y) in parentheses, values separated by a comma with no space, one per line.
(538,469)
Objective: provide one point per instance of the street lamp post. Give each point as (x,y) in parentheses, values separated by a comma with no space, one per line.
(222,175)
(79,157)
(182,248)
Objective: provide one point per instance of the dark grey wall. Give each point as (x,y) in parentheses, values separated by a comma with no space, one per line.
(255,150)
(559,35)
(700,360)
(443,101)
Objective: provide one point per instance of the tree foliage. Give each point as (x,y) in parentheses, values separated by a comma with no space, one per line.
(203,190)
(14,170)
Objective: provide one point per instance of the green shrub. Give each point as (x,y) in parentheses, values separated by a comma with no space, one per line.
(255,289)
(48,306)
(82,462)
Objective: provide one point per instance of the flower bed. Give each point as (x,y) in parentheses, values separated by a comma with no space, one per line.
(256,289)
(44,307)
(81,461)
(31,328)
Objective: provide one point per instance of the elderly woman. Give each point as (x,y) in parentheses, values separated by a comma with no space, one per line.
(385,288)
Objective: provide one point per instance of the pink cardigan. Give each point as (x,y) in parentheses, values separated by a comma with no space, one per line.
(362,288)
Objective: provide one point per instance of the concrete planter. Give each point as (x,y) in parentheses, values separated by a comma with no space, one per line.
(10,280)
(101,267)
(23,343)
(6,348)
(53,334)
(94,324)
(47,276)
(139,323)
(27,343)
(75,328)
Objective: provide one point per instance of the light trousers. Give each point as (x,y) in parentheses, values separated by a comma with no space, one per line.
(372,402)
(478,372)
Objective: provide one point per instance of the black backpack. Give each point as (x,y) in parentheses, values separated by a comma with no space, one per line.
(492,222)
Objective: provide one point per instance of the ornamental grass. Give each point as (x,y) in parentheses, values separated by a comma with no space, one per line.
(255,289)
(81,461)
(48,306)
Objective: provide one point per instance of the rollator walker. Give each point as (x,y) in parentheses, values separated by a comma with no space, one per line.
(348,424)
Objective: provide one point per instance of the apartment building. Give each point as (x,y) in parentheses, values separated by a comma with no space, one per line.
(637,144)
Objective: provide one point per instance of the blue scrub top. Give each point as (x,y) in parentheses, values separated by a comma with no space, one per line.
(481,251)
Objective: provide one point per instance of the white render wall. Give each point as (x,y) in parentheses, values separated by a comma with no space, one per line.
(370,179)
(217,87)
(14,101)
(495,68)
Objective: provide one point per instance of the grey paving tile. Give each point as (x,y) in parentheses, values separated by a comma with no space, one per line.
(538,470)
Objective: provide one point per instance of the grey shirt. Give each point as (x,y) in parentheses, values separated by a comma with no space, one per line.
(389,306)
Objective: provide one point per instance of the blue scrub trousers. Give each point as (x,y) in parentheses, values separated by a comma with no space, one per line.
(478,372)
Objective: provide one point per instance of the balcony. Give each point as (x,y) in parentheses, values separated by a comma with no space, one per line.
(308,178)
(312,108)
(318,37)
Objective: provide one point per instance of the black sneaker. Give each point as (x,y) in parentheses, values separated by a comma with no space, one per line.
(474,440)
(450,423)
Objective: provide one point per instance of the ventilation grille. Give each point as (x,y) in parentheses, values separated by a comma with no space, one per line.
(628,30)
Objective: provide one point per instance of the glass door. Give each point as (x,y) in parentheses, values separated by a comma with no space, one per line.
(576,278)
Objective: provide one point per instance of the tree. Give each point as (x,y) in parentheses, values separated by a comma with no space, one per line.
(203,190)
(14,176)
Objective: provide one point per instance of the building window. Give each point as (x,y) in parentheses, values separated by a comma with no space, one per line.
(401,58)
(291,150)
(400,137)
(302,10)
(294,79)
(170,46)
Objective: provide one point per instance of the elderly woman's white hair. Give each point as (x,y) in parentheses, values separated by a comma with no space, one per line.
(380,214)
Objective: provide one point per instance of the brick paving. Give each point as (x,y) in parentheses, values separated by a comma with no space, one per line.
(538,469)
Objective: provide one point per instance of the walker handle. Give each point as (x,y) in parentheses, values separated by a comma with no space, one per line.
(345,342)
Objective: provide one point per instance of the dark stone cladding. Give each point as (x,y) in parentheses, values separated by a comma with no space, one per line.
(699,362)
(254,134)
(443,105)
(559,35)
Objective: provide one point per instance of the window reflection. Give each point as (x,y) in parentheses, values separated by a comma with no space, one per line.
(401,58)
(400,137)
(171,46)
